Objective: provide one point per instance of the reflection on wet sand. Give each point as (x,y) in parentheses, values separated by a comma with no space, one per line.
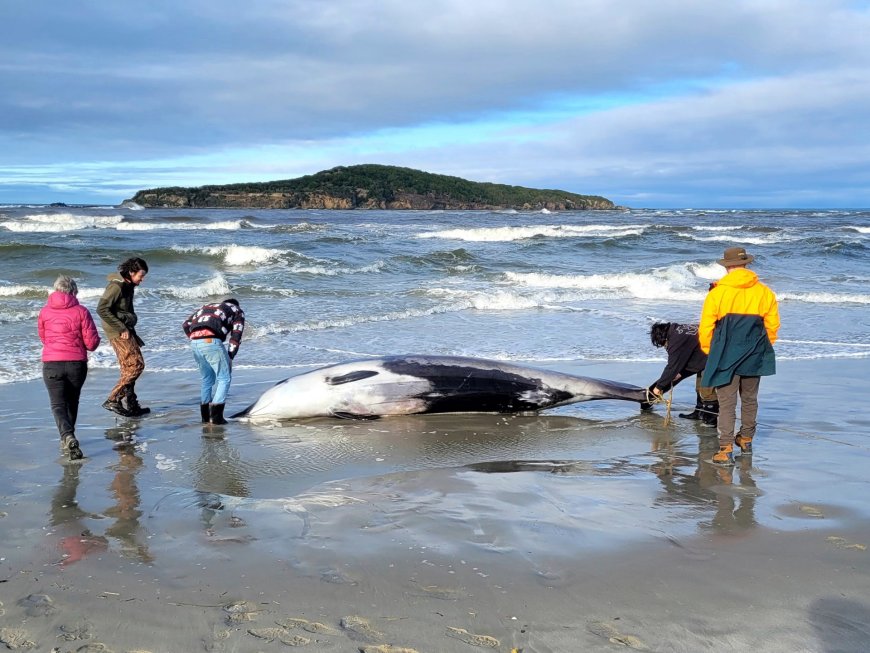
(218,473)
(126,510)
(724,494)
(66,514)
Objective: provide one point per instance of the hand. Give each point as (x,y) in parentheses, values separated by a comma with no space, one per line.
(656,391)
(125,335)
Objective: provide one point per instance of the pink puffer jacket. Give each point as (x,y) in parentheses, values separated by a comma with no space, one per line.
(66,329)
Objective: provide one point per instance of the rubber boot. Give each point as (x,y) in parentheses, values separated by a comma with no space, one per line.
(133,404)
(217,414)
(710,413)
(697,413)
(205,413)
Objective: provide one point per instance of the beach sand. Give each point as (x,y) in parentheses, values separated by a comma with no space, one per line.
(590,528)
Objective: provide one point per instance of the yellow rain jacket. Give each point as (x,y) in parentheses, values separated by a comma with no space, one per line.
(739,323)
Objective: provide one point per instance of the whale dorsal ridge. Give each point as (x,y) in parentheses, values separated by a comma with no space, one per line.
(350,377)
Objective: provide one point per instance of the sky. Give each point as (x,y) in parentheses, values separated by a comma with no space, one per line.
(650,103)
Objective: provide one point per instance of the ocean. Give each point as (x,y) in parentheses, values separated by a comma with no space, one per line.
(573,529)
(542,288)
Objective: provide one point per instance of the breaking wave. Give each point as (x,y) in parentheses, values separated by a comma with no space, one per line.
(508,234)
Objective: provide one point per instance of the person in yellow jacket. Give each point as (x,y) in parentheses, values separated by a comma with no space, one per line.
(738,328)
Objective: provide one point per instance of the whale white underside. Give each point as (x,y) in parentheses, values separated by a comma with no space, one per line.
(414,384)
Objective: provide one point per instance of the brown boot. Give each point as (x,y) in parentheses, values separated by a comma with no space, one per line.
(744,443)
(725,455)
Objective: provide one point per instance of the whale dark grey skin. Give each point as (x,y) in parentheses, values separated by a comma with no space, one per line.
(415,384)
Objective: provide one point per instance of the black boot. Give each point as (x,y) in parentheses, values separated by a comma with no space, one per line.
(205,413)
(133,406)
(217,414)
(697,413)
(710,413)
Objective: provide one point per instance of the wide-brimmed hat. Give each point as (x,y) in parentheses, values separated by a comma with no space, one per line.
(735,256)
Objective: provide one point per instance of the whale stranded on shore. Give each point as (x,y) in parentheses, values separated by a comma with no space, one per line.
(416,384)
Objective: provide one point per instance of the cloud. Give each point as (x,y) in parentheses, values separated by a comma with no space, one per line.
(641,99)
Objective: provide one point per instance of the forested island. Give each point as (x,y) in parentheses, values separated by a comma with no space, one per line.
(370,186)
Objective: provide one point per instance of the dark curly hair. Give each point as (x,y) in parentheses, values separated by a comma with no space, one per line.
(131,265)
(658,333)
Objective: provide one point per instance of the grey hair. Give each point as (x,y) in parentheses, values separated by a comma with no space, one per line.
(66,284)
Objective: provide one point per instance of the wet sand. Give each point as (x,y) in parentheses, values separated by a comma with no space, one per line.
(589,528)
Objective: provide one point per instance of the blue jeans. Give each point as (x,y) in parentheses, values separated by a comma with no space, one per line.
(214,367)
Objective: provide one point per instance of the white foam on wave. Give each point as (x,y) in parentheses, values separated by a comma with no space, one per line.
(706,271)
(29,291)
(741,237)
(824,298)
(341,323)
(21,291)
(673,283)
(226,225)
(860,230)
(214,287)
(237,255)
(492,300)
(52,222)
(327,270)
(509,234)
(709,228)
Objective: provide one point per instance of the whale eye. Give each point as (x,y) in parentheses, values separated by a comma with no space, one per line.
(350,377)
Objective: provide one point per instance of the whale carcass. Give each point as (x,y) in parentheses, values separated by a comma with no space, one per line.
(415,384)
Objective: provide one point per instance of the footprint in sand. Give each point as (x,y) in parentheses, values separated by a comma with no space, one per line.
(308,626)
(470,638)
(612,635)
(70,633)
(95,647)
(38,605)
(280,634)
(15,638)
(843,544)
(240,612)
(443,593)
(360,629)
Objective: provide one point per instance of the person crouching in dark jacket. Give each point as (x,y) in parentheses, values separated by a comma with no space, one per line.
(207,328)
(685,359)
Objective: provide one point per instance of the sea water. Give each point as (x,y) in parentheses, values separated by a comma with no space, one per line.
(543,288)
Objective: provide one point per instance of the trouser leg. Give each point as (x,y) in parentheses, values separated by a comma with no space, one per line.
(54,377)
(206,371)
(223,375)
(727,396)
(749,405)
(76,375)
(132,365)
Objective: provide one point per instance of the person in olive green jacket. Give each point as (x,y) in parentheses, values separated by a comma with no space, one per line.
(739,325)
(119,324)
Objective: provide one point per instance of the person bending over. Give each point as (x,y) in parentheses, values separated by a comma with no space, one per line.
(685,359)
(207,328)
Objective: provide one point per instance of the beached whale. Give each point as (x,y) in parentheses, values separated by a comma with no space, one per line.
(415,384)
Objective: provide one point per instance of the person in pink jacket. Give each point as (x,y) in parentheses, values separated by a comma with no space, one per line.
(68,333)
